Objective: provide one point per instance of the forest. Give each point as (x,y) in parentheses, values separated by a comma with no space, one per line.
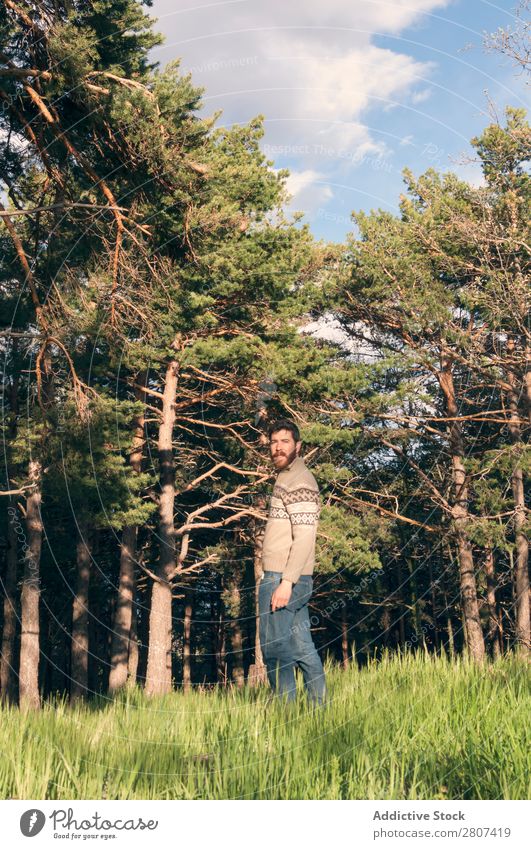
(159,308)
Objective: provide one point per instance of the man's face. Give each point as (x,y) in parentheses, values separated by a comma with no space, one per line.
(283,448)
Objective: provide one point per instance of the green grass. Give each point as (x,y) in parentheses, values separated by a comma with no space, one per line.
(409,727)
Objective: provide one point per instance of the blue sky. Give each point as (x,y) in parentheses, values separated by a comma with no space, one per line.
(352,90)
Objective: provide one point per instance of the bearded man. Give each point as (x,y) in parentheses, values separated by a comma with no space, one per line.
(288,559)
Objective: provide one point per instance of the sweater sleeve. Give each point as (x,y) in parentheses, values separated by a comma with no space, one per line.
(303,506)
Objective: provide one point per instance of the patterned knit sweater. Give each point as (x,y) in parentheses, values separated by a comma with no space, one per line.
(291,529)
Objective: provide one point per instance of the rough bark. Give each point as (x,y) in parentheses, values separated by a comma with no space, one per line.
(9,630)
(257,671)
(434,611)
(221,652)
(80,618)
(213,636)
(460,516)
(402,607)
(142,628)
(158,676)
(121,631)
(385,624)
(29,697)
(494,633)
(123,615)
(415,609)
(30,595)
(527,381)
(344,637)
(450,632)
(218,634)
(448,612)
(521,570)
(236,633)
(187,664)
(133,658)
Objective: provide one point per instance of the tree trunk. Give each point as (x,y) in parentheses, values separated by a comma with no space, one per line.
(187,626)
(527,381)
(80,618)
(472,625)
(236,633)
(521,576)
(123,615)
(402,607)
(134,654)
(414,596)
(450,632)
(257,671)
(7,659)
(494,635)
(30,595)
(158,676)
(214,635)
(28,689)
(449,627)
(344,637)
(385,621)
(61,665)
(434,614)
(99,622)
(46,668)
(9,631)
(473,633)
(142,628)
(221,653)
(218,634)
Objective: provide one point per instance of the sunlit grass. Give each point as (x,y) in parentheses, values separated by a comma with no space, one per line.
(409,727)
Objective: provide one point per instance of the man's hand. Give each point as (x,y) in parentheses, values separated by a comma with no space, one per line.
(282,595)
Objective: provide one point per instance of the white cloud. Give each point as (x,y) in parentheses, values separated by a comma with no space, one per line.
(300,180)
(308,190)
(421,96)
(371,16)
(343,86)
(312,68)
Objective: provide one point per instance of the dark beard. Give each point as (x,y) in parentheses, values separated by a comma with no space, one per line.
(289,458)
(292,456)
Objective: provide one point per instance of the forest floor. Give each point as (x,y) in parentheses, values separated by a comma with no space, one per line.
(405,727)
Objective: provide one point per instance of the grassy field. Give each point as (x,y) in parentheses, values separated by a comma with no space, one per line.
(402,728)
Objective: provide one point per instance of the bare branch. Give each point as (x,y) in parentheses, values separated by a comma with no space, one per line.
(20,491)
(35,209)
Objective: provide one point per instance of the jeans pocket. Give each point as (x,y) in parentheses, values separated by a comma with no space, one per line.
(302,592)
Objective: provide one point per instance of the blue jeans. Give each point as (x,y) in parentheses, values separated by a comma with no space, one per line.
(286,639)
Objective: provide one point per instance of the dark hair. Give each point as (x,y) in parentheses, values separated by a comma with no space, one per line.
(285,424)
